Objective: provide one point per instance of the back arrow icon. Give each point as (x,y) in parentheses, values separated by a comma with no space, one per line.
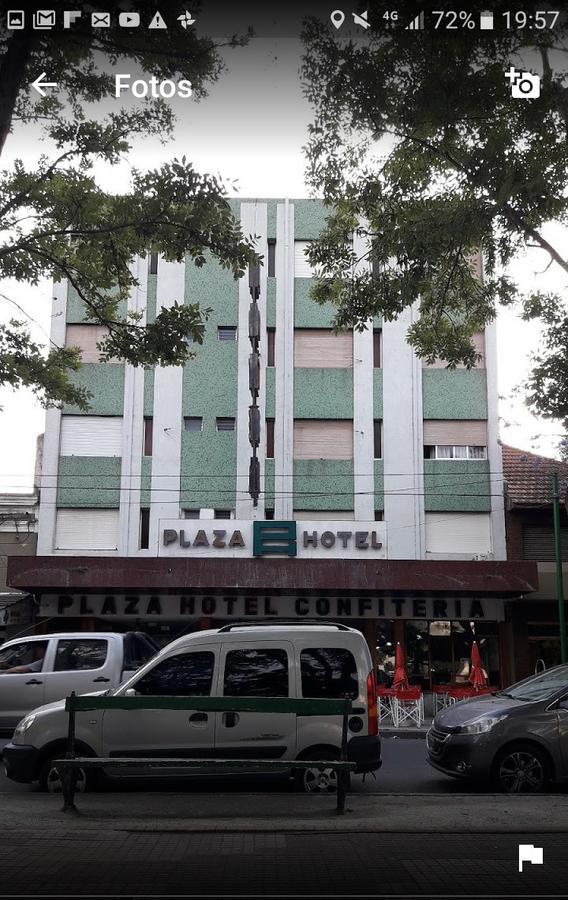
(39,84)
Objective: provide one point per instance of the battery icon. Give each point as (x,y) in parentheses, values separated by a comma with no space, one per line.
(486,20)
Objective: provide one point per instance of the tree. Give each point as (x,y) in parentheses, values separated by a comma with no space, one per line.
(419,146)
(55,221)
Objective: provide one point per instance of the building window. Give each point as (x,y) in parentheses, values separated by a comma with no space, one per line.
(227,332)
(192,423)
(451,451)
(270,438)
(268,514)
(323,439)
(270,346)
(377,443)
(223,513)
(153,264)
(223,423)
(148,431)
(144,528)
(271,271)
(379,515)
(190,513)
(377,348)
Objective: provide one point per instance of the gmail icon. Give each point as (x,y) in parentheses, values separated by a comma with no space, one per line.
(44,19)
(100,20)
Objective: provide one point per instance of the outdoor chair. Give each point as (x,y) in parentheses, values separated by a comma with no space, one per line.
(385,699)
(408,707)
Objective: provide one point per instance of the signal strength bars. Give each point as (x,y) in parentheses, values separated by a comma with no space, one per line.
(417,24)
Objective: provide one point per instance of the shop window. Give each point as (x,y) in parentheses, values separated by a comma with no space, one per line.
(148,435)
(144,528)
(188,674)
(385,645)
(271,262)
(192,423)
(256,673)
(441,652)
(227,332)
(270,346)
(377,348)
(224,423)
(270,438)
(74,655)
(417,657)
(328,672)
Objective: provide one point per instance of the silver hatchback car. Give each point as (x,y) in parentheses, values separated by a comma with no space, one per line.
(516,738)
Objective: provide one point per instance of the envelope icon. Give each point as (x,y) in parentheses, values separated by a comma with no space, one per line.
(100,20)
(43,19)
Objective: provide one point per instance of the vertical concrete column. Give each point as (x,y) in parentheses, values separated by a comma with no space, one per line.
(254,221)
(498,537)
(284,359)
(363,431)
(47,516)
(168,389)
(133,426)
(403,450)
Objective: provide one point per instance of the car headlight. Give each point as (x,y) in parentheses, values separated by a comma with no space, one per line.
(26,723)
(480,726)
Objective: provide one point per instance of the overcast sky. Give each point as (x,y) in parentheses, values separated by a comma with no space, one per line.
(252,128)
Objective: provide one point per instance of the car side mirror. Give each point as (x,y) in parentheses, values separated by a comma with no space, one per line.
(562,703)
(130,692)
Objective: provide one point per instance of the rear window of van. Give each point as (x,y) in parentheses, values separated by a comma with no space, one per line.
(328,672)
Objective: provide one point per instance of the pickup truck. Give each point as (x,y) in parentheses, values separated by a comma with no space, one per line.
(40,669)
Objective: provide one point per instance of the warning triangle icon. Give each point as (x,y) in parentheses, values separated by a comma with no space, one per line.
(157,21)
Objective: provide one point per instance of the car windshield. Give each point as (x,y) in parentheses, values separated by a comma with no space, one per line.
(539,687)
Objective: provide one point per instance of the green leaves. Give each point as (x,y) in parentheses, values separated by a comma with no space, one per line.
(57,222)
(418,145)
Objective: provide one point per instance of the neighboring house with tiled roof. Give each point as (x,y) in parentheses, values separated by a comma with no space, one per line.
(530,535)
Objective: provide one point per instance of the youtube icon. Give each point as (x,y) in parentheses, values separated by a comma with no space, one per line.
(129,20)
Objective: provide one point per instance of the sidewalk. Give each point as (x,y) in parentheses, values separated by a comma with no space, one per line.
(161,812)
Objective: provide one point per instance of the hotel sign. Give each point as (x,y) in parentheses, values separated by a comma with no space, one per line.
(244,538)
(188,606)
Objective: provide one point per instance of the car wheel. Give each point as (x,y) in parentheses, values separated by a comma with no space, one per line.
(50,777)
(521,769)
(317,781)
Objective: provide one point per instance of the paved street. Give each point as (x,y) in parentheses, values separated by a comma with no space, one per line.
(404,770)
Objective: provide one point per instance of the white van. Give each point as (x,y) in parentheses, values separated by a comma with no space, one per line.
(256,660)
(38,669)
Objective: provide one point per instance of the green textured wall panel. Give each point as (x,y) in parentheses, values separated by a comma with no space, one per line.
(323,484)
(146,481)
(309,219)
(308,313)
(271,303)
(457,485)
(76,311)
(105,381)
(151,298)
(270,375)
(269,483)
(379,468)
(89,481)
(377,393)
(210,380)
(208,468)
(271,218)
(323,393)
(460,394)
(149,375)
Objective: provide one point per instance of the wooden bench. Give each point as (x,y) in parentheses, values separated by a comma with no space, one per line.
(301,707)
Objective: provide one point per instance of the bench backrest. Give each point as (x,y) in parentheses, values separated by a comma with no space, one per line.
(299,706)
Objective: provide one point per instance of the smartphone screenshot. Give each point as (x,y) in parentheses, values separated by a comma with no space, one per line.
(283,449)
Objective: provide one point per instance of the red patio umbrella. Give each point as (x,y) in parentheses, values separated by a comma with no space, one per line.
(400,678)
(476,674)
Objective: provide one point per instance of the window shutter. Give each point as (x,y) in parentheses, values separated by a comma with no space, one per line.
(302,268)
(91,436)
(319,348)
(86,529)
(463,533)
(455,432)
(323,439)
